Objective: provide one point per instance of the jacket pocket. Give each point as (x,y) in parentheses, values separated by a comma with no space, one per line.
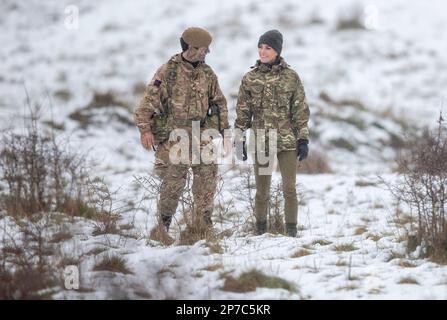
(283,97)
(256,95)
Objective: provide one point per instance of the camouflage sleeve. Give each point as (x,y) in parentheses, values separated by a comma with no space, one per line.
(219,99)
(243,108)
(155,96)
(300,111)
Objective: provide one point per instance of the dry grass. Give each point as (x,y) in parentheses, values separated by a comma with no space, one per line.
(214,247)
(321,242)
(394,255)
(61,236)
(362,183)
(348,287)
(351,19)
(346,247)
(214,267)
(114,264)
(86,116)
(408,280)
(63,94)
(406,264)
(316,163)
(341,263)
(373,237)
(96,251)
(249,281)
(69,261)
(301,253)
(422,188)
(360,230)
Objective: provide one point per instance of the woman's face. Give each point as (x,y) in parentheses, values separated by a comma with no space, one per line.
(267,54)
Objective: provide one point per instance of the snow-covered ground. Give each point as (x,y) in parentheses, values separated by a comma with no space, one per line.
(364,86)
(349,246)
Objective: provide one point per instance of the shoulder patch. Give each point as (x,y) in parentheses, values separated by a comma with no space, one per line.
(157,83)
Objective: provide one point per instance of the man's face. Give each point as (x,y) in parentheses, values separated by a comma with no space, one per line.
(196,54)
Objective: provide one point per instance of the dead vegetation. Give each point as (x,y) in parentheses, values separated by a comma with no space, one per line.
(423,189)
(250,280)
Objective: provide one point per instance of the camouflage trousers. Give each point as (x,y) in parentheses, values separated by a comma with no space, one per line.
(161,159)
(203,188)
(287,165)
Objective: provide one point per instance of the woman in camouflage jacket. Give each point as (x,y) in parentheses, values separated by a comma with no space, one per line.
(271,100)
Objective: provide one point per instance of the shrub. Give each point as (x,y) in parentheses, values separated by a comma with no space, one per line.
(423,188)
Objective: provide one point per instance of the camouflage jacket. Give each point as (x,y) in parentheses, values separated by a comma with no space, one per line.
(273,98)
(190,92)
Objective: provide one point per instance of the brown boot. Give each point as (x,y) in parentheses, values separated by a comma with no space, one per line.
(159,233)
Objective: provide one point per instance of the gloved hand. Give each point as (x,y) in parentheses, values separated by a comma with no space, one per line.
(241,154)
(302,149)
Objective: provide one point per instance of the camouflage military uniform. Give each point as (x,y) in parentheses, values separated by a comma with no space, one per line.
(190,93)
(272,97)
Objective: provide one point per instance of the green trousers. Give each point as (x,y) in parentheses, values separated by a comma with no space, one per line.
(287,165)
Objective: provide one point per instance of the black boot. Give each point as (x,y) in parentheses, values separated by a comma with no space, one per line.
(166,221)
(291,229)
(261,227)
(207,219)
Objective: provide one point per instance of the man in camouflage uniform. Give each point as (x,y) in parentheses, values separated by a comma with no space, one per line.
(271,97)
(187,85)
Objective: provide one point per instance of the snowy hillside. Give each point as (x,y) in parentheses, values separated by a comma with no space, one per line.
(372,71)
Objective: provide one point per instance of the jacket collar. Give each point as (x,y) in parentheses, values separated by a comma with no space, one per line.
(178,59)
(275,68)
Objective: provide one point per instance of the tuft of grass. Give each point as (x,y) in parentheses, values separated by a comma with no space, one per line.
(249,281)
(342,143)
(63,94)
(348,287)
(68,261)
(341,263)
(96,251)
(114,264)
(316,163)
(378,205)
(362,183)
(350,19)
(54,125)
(215,247)
(403,219)
(61,237)
(110,229)
(301,253)
(375,291)
(321,242)
(214,267)
(374,237)
(166,270)
(408,280)
(345,247)
(307,246)
(406,264)
(394,255)
(12,250)
(360,231)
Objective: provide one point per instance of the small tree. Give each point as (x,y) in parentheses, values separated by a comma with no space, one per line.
(424,188)
(39,173)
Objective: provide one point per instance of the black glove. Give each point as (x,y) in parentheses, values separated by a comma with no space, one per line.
(302,149)
(242,152)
